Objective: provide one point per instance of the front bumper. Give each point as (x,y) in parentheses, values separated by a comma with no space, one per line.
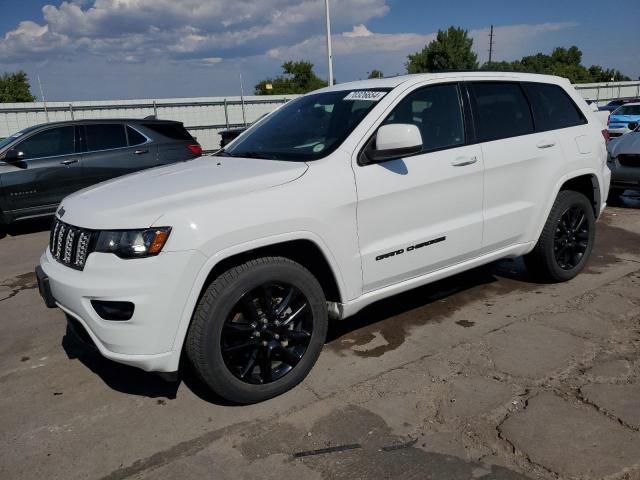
(158,286)
(622,176)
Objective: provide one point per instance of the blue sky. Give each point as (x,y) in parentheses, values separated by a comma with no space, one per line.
(105,49)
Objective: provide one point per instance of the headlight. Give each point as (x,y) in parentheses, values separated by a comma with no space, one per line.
(133,243)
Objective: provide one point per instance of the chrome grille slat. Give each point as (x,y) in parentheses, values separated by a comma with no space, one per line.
(70,245)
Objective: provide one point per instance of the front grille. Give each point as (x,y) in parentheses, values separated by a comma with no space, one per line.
(70,245)
(629,160)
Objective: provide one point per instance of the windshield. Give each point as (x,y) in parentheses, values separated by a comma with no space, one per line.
(628,110)
(307,128)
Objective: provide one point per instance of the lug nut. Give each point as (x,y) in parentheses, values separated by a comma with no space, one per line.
(265,343)
(276,336)
(256,334)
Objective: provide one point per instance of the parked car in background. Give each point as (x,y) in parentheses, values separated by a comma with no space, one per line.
(619,119)
(624,161)
(226,136)
(613,104)
(340,198)
(41,165)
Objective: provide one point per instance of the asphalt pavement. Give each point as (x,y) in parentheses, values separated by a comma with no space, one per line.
(484,375)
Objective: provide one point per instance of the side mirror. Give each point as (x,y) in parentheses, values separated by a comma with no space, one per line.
(13,156)
(395,141)
(633,126)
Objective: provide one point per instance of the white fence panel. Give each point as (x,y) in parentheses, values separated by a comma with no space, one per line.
(204,117)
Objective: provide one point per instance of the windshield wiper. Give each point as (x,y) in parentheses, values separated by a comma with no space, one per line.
(255,154)
(222,153)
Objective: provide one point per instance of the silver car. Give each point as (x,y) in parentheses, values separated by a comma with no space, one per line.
(624,161)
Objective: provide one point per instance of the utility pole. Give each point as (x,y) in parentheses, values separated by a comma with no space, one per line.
(244,117)
(490,46)
(329,56)
(44,100)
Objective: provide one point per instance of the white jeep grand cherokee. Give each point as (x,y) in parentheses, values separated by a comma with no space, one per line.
(338,199)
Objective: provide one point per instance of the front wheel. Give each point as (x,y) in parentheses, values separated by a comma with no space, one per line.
(258,329)
(566,240)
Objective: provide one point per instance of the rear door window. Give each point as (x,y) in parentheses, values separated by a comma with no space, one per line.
(501,110)
(552,107)
(50,143)
(175,131)
(105,136)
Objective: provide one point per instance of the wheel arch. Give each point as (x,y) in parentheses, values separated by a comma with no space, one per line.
(585,181)
(589,186)
(302,247)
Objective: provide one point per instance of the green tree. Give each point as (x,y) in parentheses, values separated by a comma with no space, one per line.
(297,77)
(451,50)
(375,74)
(14,87)
(564,62)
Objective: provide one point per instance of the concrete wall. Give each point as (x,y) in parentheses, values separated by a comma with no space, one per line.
(204,117)
(604,92)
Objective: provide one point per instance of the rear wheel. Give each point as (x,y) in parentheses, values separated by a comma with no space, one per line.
(566,240)
(258,329)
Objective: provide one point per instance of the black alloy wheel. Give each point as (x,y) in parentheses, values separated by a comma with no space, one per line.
(267,333)
(571,237)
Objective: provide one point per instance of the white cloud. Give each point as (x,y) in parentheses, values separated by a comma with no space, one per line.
(185,29)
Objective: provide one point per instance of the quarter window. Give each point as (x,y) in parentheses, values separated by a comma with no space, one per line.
(502,110)
(135,137)
(437,113)
(105,136)
(50,143)
(552,107)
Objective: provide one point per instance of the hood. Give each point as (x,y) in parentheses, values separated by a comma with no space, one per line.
(139,199)
(628,143)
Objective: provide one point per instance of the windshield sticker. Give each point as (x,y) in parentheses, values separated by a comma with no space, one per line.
(365,95)
(318,148)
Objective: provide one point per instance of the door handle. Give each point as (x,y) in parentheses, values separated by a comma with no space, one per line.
(546,144)
(140,152)
(69,162)
(462,161)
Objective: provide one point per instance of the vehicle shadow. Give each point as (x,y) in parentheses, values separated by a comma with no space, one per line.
(629,199)
(25,227)
(464,287)
(133,381)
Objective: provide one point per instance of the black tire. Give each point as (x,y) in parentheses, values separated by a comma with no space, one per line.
(204,342)
(543,262)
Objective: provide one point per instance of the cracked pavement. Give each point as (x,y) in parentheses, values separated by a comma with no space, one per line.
(484,375)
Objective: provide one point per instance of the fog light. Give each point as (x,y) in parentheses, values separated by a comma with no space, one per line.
(118,311)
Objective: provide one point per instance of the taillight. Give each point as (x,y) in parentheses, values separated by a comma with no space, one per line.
(605,134)
(195,148)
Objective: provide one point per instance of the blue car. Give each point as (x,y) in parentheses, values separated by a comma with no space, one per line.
(614,104)
(620,119)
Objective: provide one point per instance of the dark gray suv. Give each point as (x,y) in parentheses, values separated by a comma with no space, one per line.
(41,165)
